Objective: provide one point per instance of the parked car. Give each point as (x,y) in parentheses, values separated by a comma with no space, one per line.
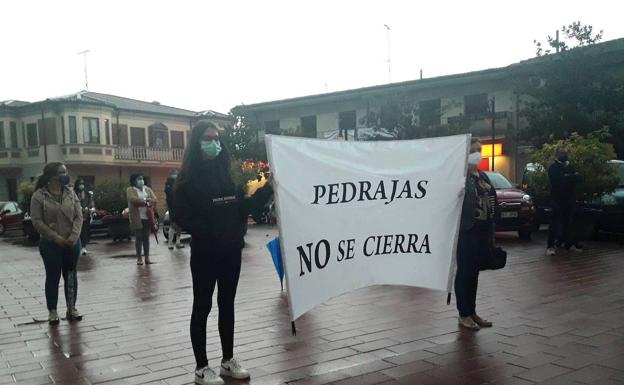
(11,216)
(611,205)
(606,212)
(515,210)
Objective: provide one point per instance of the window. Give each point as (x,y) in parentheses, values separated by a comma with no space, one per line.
(272,127)
(137,136)
(10,207)
(2,142)
(476,104)
(429,113)
(158,135)
(73,132)
(346,120)
(177,139)
(91,130)
(308,124)
(13,127)
(63,129)
(120,134)
(47,131)
(31,135)
(107,131)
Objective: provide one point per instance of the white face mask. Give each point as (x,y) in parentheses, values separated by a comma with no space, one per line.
(474,158)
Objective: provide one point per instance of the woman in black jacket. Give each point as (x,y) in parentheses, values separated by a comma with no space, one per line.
(213,209)
(476,237)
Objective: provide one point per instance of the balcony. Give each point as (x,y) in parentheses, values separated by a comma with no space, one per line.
(156,154)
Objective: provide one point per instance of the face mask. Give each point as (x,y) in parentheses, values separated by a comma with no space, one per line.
(140,183)
(210,148)
(563,158)
(474,158)
(63,180)
(81,187)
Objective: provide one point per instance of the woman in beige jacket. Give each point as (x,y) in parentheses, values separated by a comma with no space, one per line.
(57,216)
(140,199)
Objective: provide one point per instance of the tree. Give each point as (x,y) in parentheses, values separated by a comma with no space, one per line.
(574,91)
(589,155)
(574,35)
(241,137)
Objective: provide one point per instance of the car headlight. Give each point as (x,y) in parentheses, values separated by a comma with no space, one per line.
(527,199)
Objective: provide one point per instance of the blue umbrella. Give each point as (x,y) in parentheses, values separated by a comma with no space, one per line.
(276,255)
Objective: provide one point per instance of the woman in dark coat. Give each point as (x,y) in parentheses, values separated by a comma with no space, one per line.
(213,209)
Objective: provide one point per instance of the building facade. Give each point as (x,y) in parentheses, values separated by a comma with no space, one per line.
(484,103)
(98,137)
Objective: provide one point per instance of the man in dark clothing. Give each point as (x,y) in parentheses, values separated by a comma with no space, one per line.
(174,229)
(563,179)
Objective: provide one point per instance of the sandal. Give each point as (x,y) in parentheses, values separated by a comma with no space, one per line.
(481,322)
(468,323)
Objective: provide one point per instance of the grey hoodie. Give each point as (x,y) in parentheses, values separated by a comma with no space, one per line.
(56,221)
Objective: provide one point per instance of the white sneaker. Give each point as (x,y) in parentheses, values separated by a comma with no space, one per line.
(576,249)
(207,376)
(233,368)
(84,251)
(550,252)
(73,315)
(53,317)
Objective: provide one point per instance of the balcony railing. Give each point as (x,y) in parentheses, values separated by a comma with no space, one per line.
(149,153)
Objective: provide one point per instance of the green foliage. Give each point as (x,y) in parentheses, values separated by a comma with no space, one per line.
(241,137)
(26,190)
(110,195)
(588,154)
(577,92)
(573,35)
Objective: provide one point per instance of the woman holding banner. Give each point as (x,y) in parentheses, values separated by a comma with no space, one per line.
(476,235)
(213,209)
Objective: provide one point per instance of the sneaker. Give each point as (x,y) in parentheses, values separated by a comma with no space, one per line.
(576,248)
(550,252)
(170,246)
(73,315)
(84,251)
(53,318)
(233,368)
(180,245)
(207,376)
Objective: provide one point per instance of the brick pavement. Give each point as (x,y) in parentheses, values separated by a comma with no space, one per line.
(557,321)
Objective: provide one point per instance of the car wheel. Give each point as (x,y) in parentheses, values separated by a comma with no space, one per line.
(524,234)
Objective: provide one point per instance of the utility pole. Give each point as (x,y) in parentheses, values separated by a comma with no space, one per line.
(557,41)
(84,54)
(493,105)
(388,40)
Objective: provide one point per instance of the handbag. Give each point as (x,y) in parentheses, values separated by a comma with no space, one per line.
(495,258)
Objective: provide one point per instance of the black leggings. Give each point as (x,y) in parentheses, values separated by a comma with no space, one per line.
(213,263)
(59,261)
(141,238)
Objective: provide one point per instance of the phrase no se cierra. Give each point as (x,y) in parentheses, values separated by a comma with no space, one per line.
(320,252)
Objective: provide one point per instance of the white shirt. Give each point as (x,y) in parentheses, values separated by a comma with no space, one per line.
(142,209)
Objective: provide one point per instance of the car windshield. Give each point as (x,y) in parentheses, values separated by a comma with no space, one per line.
(620,172)
(499,181)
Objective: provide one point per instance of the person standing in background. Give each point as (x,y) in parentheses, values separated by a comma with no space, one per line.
(86,202)
(140,199)
(174,229)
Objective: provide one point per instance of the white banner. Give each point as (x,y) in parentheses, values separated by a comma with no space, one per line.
(355,214)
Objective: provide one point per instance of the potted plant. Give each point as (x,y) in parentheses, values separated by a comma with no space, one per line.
(110,195)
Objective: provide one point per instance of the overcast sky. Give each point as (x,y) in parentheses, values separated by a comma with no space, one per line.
(217,54)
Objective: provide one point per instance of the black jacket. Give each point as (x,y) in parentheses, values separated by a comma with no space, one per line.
(212,209)
(563,179)
(469,206)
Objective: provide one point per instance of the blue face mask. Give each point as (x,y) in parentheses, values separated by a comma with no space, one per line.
(210,148)
(64,179)
(140,183)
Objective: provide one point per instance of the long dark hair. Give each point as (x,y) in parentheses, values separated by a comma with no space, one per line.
(213,175)
(49,171)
